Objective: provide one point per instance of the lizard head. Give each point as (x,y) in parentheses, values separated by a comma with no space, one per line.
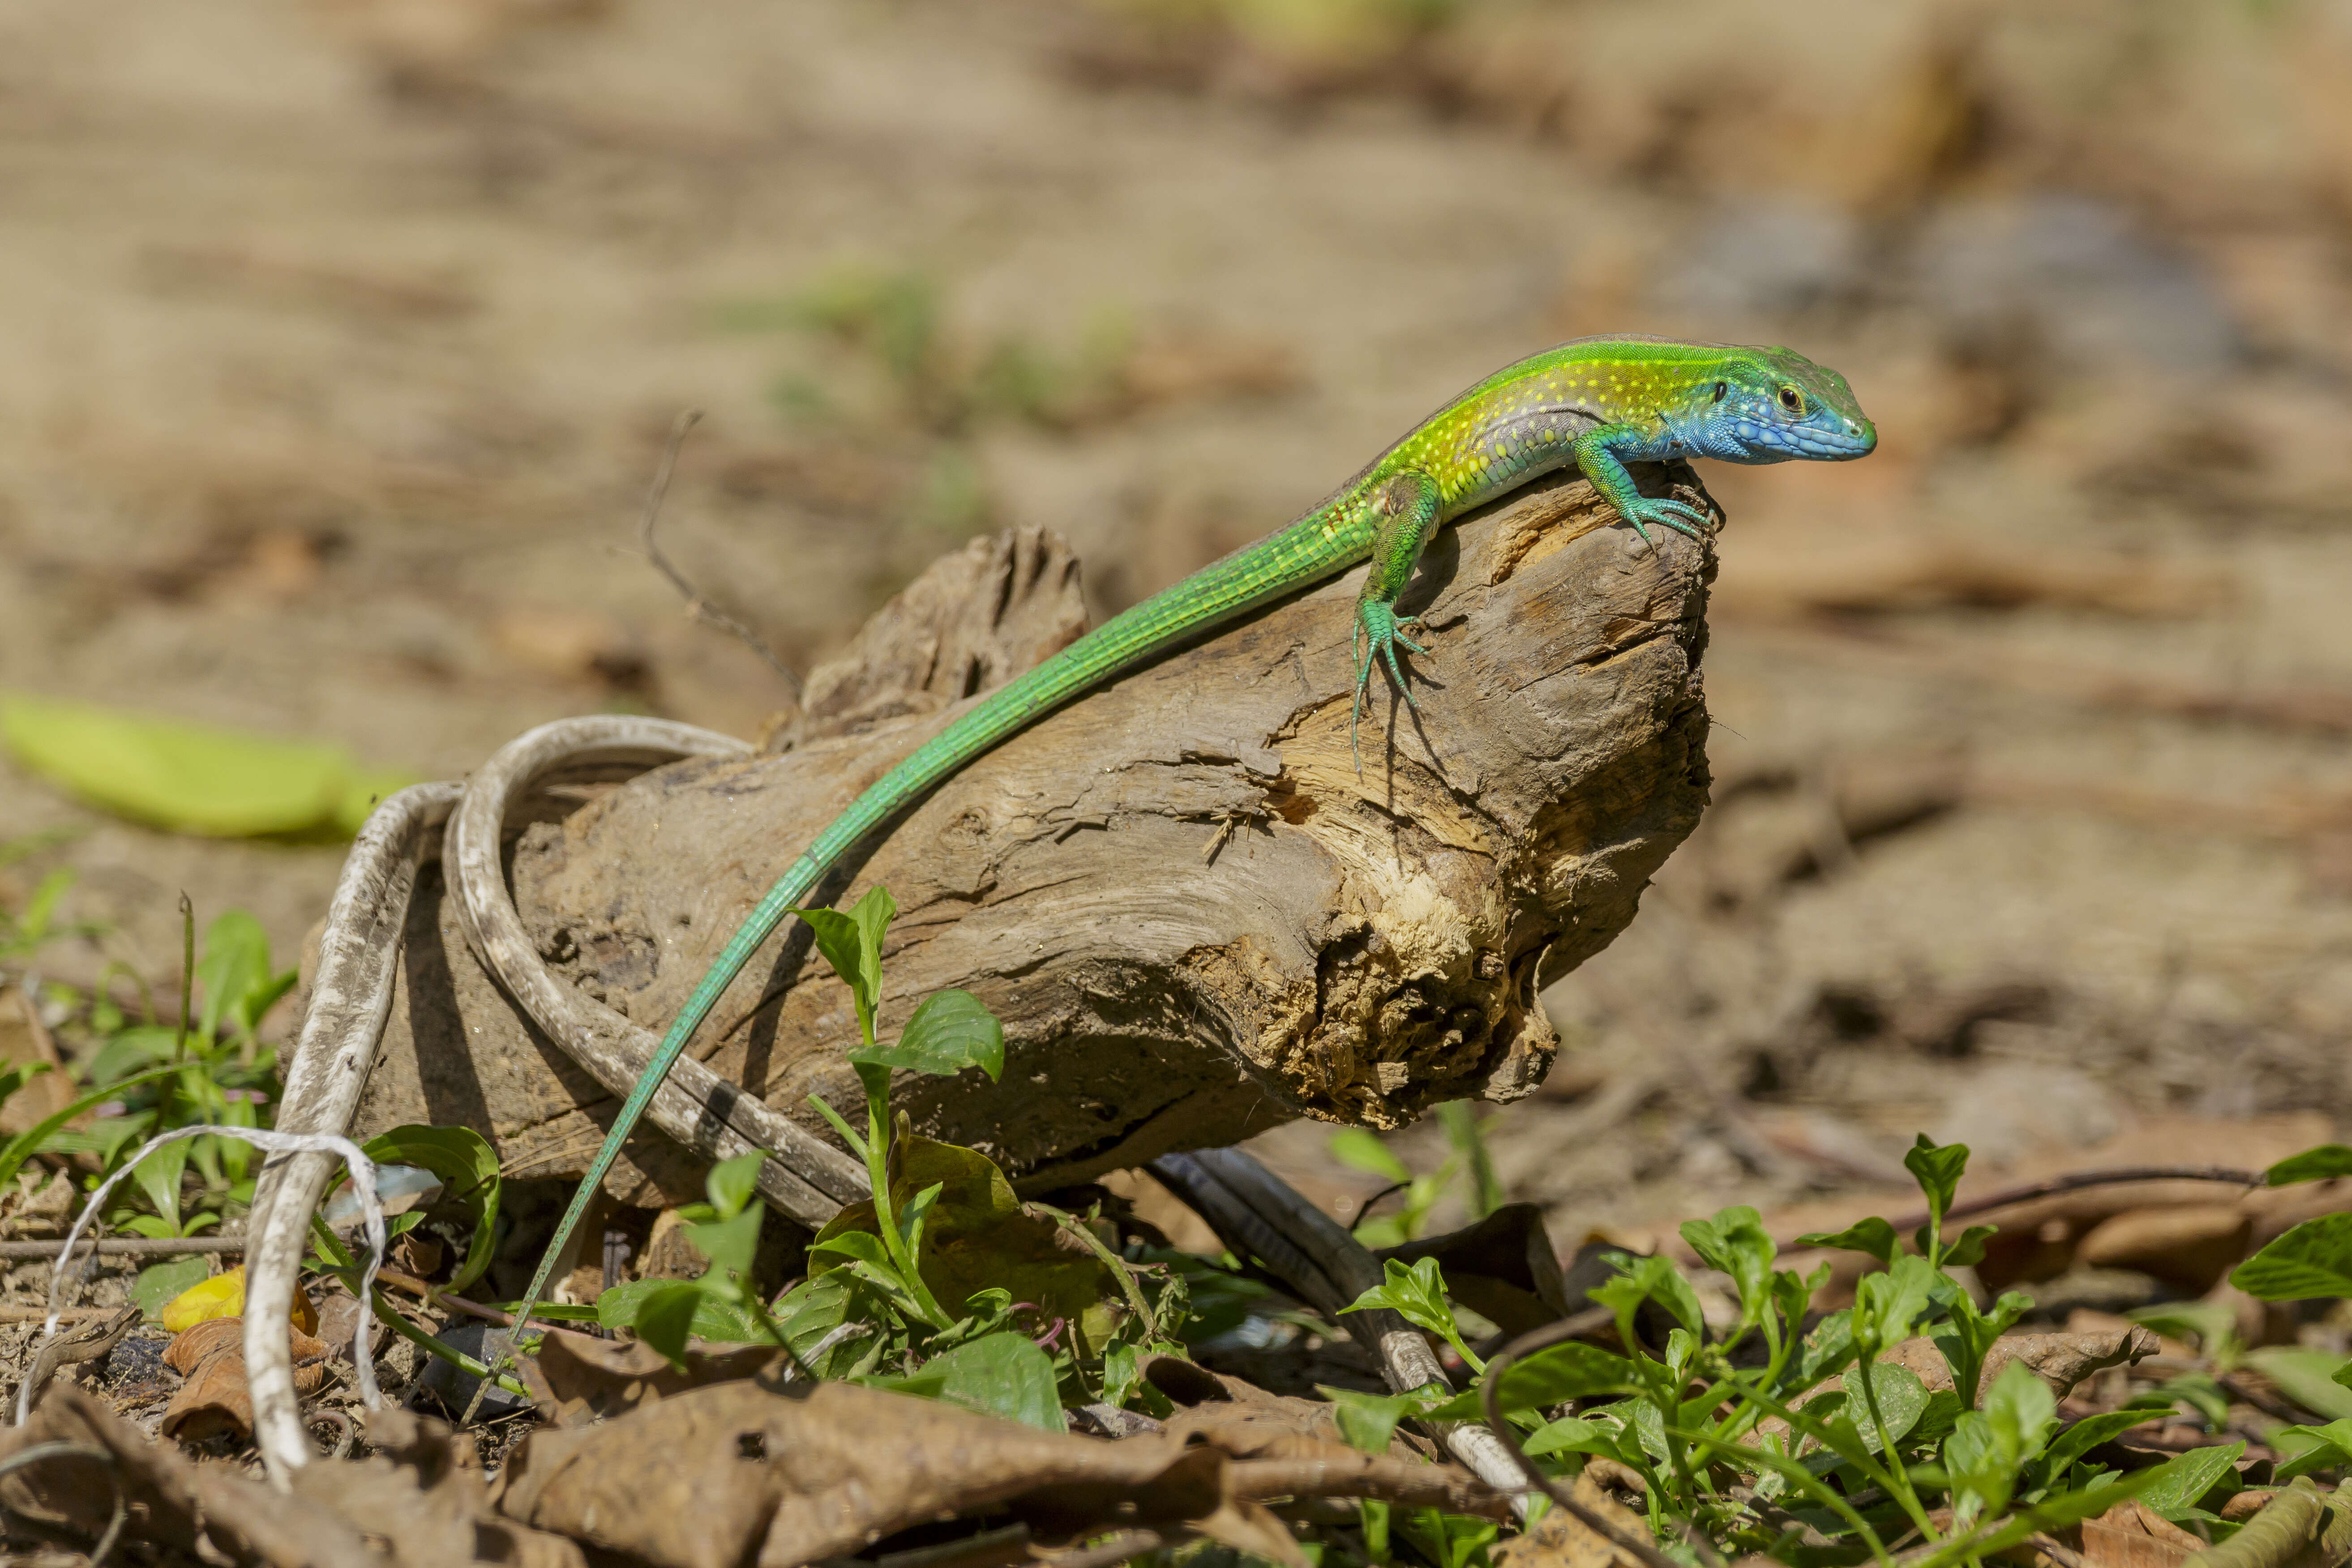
(1772,405)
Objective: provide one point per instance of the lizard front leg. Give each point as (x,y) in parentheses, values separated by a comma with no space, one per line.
(1600,453)
(1405,508)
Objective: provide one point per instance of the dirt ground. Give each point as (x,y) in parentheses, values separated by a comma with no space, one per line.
(343,336)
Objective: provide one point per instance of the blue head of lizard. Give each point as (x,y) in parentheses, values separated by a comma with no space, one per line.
(1772,405)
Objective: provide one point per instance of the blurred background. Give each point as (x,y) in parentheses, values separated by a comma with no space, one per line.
(341,338)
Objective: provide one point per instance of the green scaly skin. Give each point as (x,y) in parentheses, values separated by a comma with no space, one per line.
(1598,403)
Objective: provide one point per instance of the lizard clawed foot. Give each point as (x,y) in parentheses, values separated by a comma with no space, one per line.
(1379,632)
(1679,516)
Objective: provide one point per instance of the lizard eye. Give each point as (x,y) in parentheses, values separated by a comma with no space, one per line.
(1722,389)
(1792,400)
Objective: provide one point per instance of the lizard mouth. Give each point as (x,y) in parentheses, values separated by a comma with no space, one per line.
(1857,439)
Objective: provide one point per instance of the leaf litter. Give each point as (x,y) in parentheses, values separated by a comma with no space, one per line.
(938,1387)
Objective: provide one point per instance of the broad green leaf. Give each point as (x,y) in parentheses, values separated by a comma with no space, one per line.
(666,1312)
(1964,1253)
(1362,1151)
(1990,1445)
(1367,1421)
(1576,1435)
(997,1375)
(468,1169)
(731,1182)
(2315,1258)
(2211,1326)
(1886,1305)
(1554,1376)
(1937,1168)
(730,1244)
(951,1030)
(1735,1242)
(190,778)
(2182,1480)
(2329,1448)
(2090,1432)
(234,973)
(158,1285)
(2329,1160)
(1414,1291)
(1655,1280)
(852,943)
(1901,1397)
(2309,1378)
(1873,1235)
(157,1176)
(819,1306)
(978,1235)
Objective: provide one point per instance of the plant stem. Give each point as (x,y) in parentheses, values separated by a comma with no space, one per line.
(1803,1480)
(877,1176)
(1124,1271)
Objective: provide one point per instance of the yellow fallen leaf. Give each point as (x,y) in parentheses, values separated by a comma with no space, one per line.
(223,1296)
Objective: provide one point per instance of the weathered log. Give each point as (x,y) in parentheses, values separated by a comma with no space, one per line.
(1194,916)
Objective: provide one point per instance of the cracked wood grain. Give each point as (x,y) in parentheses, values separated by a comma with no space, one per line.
(1195,917)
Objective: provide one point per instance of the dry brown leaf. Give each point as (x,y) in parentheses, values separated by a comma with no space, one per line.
(178,1501)
(1561,1539)
(424,1496)
(2130,1536)
(2188,1246)
(215,1397)
(577,1381)
(707,1477)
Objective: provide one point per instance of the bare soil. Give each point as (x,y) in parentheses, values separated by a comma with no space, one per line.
(343,337)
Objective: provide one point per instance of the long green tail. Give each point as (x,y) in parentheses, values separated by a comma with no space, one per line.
(1297,554)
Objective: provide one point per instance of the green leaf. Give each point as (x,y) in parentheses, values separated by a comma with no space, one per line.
(1735,1242)
(730,1244)
(468,1169)
(1968,1251)
(2182,1480)
(2315,1258)
(1873,1235)
(1937,1168)
(22,1147)
(1640,1279)
(1554,1376)
(190,778)
(951,1030)
(997,1375)
(1367,1421)
(1886,1305)
(976,1236)
(2087,1433)
(157,1283)
(2329,1160)
(2330,1447)
(1576,1435)
(2312,1378)
(235,973)
(157,1176)
(852,943)
(665,1313)
(1416,1292)
(1363,1150)
(731,1182)
(1901,1397)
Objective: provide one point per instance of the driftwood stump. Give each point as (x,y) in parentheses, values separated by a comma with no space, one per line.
(1195,917)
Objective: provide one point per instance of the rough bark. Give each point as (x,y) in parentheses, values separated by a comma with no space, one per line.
(1193,916)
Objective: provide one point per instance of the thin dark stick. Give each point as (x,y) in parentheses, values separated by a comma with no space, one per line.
(2011,1198)
(1490,1401)
(126,1246)
(700,608)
